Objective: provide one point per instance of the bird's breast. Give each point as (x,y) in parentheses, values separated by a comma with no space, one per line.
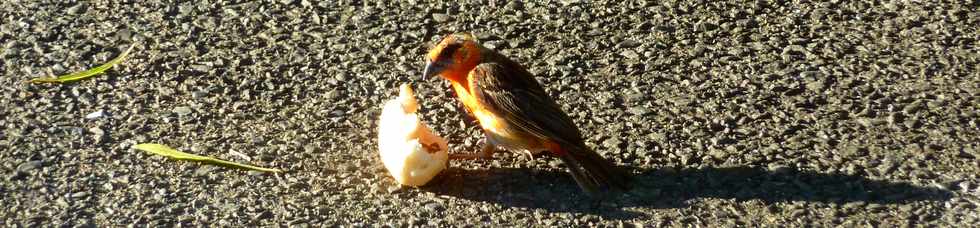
(486,117)
(496,128)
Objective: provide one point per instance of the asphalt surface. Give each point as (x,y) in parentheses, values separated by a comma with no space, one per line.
(729,113)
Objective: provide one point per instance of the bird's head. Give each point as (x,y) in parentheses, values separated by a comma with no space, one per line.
(453,57)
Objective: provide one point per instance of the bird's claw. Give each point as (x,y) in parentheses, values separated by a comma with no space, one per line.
(529,155)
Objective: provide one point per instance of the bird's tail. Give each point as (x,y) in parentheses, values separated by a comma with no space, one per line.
(593,173)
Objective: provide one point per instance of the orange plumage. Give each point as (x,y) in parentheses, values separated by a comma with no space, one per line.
(516,113)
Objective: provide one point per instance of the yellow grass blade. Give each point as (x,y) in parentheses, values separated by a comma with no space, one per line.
(87,73)
(166,151)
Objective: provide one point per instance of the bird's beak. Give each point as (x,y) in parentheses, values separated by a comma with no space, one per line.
(432,69)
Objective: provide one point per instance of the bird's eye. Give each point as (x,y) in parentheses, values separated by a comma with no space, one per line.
(449,50)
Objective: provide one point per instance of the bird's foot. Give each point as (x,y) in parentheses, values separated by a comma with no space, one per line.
(528,154)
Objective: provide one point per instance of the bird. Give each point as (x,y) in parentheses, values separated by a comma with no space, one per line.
(516,114)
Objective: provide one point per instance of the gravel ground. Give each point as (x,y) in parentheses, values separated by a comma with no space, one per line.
(741,113)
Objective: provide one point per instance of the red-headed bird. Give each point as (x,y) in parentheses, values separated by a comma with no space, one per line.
(516,113)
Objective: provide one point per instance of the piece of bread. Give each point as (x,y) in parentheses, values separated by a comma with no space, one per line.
(408,148)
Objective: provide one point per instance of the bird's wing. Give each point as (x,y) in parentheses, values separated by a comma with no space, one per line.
(513,94)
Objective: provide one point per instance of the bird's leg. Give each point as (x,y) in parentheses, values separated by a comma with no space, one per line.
(485,153)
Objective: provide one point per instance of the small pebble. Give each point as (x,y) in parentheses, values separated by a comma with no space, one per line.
(28,166)
(182,110)
(95,115)
(439,17)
